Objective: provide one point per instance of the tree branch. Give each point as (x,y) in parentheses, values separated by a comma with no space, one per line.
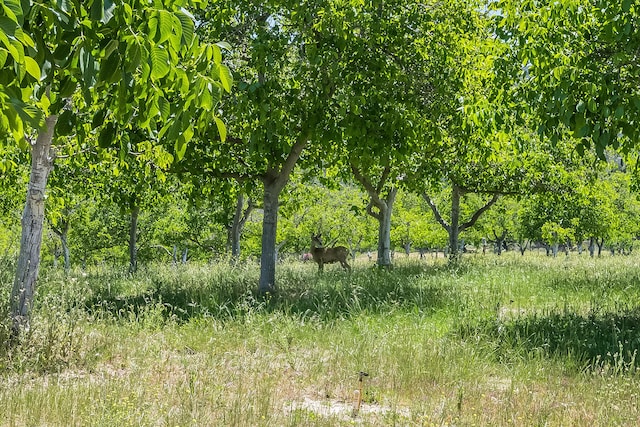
(478,213)
(376,215)
(373,193)
(250,206)
(436,212)
(383,179)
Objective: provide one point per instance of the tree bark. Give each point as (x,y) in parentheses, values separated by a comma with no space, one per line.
(454,229)
(269,229)
(383,215)
(273,182)
(384,229)
(24,284)
(554,248)
(133,237)
(600,243)
(240,217)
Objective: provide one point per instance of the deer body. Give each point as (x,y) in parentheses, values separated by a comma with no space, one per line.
(323,255)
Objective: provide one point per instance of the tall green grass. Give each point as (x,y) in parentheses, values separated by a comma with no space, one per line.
(493,341)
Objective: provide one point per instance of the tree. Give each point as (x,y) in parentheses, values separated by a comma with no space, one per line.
(397,78)
(579,67)
(280,111)
(119,62)
(454,227)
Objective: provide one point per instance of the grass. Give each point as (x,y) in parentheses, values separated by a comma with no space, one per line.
(504,340)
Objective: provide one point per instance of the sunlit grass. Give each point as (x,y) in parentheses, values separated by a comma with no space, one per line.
(495,341)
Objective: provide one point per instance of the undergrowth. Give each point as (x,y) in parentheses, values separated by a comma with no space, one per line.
(440,342)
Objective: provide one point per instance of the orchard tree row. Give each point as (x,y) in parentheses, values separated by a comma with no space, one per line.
(178,109)
(593,209)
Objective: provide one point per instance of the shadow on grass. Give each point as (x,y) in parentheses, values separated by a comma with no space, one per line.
(608,280)
(303,293)
(594,341)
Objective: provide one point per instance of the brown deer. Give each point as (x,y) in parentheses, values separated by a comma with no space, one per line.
(323,255)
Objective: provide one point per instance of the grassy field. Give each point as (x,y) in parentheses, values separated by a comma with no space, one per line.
(510,340)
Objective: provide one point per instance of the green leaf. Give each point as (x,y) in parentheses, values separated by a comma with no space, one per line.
(64,5)
(8,26)
(180,147)
(225,78)
(159,62)
(24,38)
(133,57)
(164,25)
(107,135)
(188,27)
(107,12)
(97,10)
(176,33)
(222,129)
(217,55)
(88,67)
(109,68)
(165,108)
(15,7)
(67,87)
(581,128)
(98,118)
(27,113)
(224,45)
(32,67)
(66,123)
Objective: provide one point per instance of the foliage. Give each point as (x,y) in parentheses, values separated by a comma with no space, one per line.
(578,67)
(127,60)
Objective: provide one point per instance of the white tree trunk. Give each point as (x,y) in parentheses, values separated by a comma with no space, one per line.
(384,229)
(24,284)
(269,229)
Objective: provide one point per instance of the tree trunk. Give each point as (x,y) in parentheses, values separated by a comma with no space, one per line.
(384,229)
(133,237)
(65,247)
(500,240)
(454,227)
(273,182)
(600,244)
(236,228)
(269,229)
(523,246)
(239,220)
(24,284)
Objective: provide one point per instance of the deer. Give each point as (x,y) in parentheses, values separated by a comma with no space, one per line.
(323,255)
